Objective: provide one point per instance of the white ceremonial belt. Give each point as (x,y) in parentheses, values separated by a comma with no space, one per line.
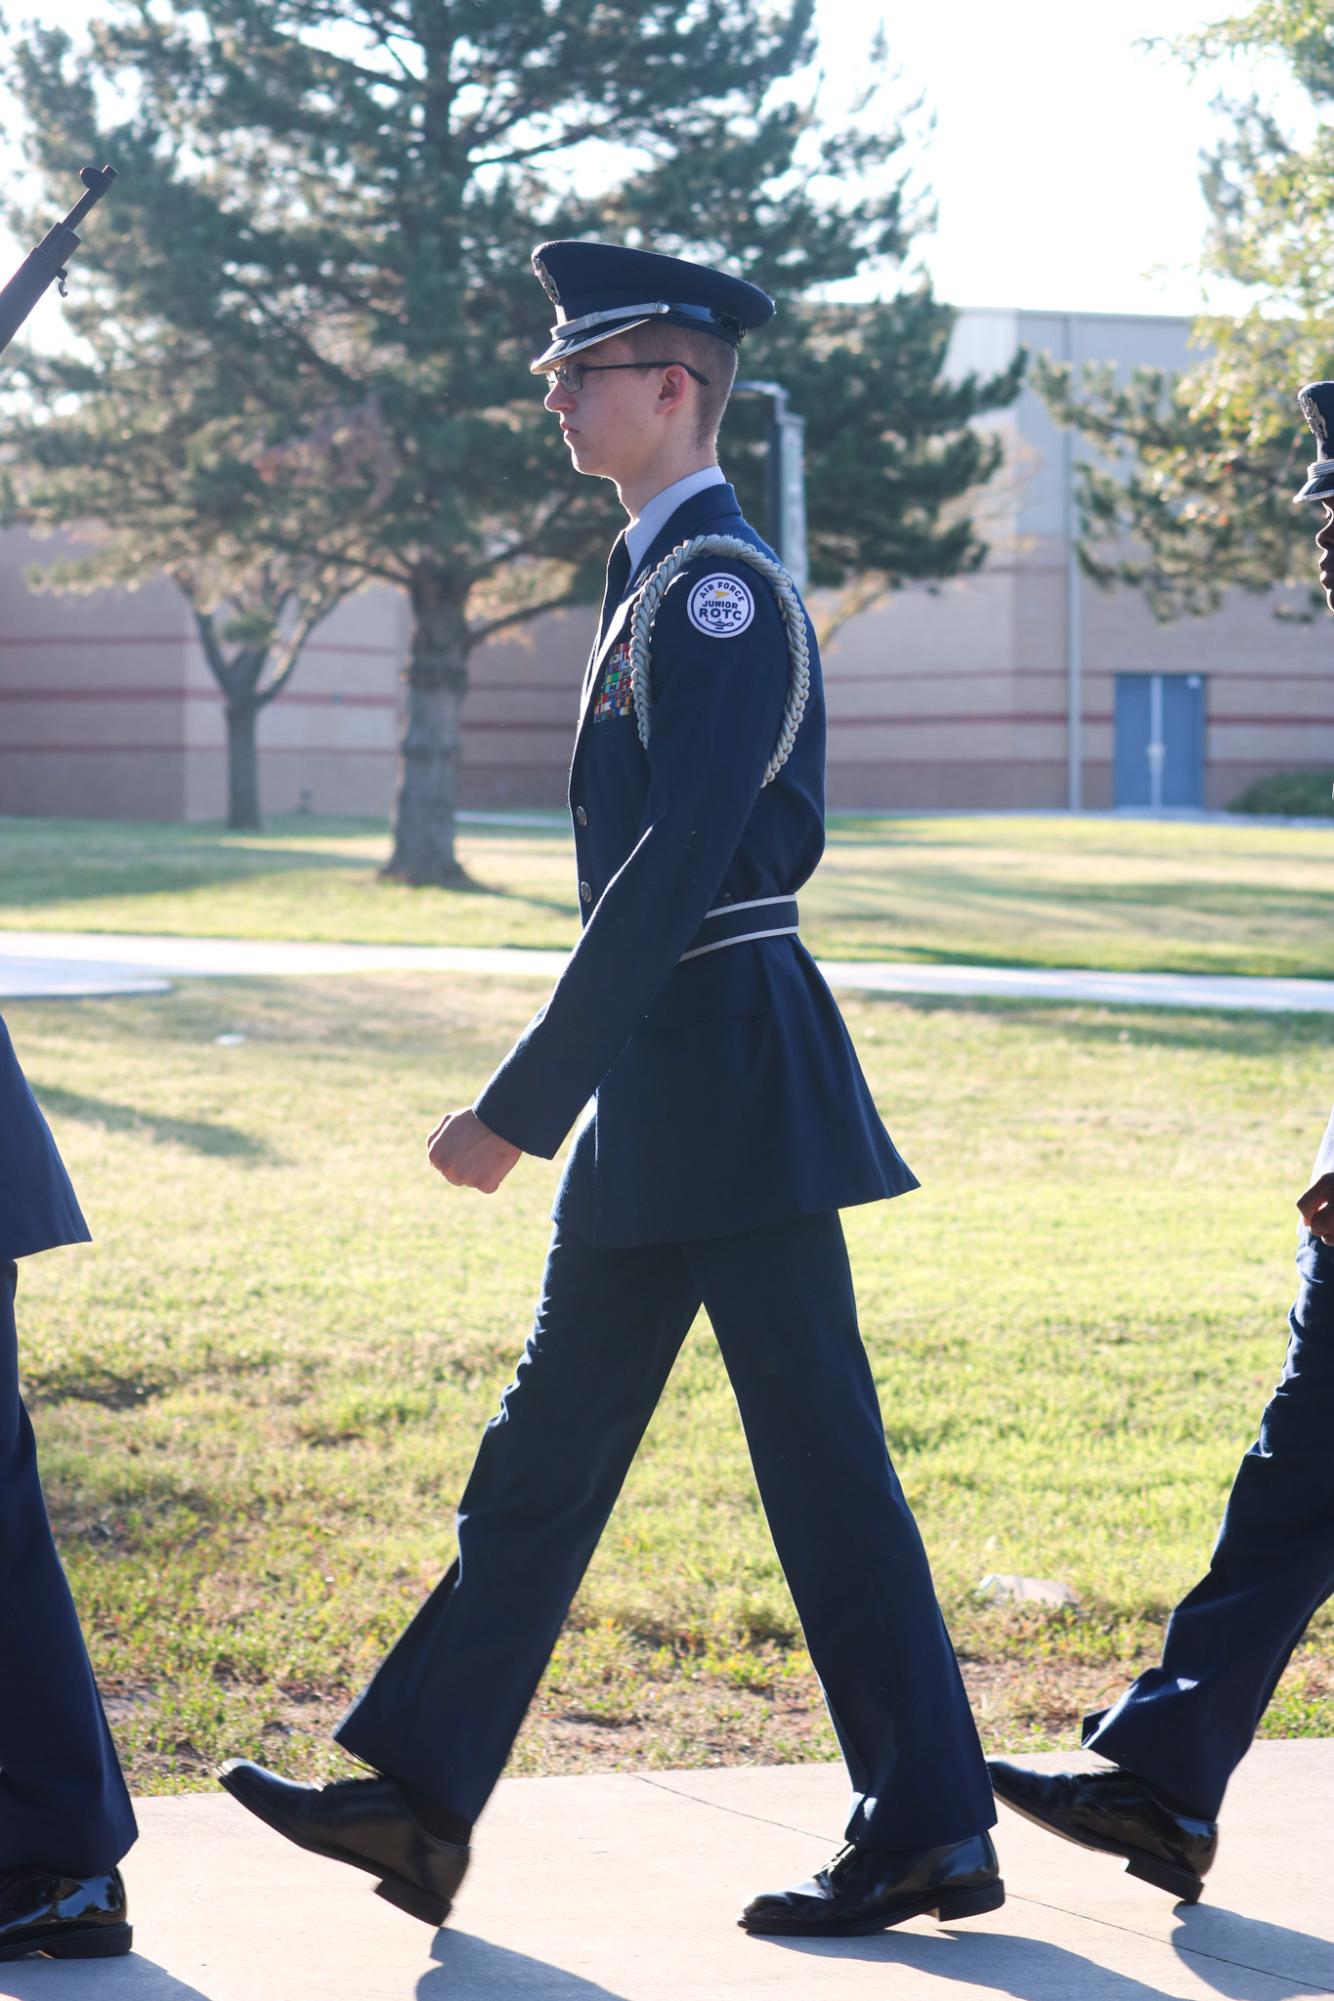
(742,923)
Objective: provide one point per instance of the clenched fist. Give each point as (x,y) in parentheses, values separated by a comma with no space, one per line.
(1317,1207)
(469,1154)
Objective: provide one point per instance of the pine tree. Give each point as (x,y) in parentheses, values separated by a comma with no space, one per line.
(327,207)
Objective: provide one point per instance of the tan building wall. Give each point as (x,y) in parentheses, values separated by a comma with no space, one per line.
(108,709)
(92,697)
(954,697)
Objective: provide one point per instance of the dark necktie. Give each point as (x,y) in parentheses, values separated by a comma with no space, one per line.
(618,576)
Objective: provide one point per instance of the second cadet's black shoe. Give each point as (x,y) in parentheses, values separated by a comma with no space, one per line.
(65,1917)
(869,1889)
(366,1822)
(1119,1814)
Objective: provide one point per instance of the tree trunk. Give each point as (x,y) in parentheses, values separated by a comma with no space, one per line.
(242,763)
(437,681)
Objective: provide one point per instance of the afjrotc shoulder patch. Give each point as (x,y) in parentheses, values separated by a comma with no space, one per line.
(616,696)
(720,606)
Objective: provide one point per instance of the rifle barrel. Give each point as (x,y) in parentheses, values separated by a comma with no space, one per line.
(42,266)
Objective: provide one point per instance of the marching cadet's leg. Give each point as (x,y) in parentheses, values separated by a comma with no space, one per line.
(445,1706)
(63,1803)
(439,1716)
(782,1307)
(1179,1731)
(1186,1724)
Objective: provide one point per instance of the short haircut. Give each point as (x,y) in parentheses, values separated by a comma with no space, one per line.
(714,358)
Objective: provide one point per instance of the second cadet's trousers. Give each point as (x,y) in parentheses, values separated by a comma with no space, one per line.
(63,1803)
(1186,1724)
(443,1709)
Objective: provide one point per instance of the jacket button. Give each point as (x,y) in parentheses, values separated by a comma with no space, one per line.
(581,816)
(585,892)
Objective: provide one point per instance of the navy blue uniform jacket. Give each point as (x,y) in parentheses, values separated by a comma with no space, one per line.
(38,1208)
(726,1092)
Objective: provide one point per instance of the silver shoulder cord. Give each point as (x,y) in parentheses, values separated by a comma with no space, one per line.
(789,604)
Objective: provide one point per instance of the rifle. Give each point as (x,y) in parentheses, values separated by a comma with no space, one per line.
(47,262)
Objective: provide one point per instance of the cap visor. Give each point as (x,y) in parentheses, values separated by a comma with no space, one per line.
(562,349)
(1320,486)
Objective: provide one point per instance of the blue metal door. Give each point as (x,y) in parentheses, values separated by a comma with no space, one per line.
(1159,740)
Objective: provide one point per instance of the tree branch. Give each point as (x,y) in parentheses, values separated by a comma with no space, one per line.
(208,639)
(478,633)
(290,652)
(329,369)
(573,136)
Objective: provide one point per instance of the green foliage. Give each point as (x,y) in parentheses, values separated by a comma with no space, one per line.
(1293,794)
(1189,490)
(893,453)
(306,331)
(307,323)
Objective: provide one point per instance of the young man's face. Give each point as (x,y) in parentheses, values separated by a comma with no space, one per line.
(612,425)
(1324,542)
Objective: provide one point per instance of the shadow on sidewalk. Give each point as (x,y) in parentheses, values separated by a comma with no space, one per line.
(470,1969)
(130,1979)
(1229,1952)
(1032,1970)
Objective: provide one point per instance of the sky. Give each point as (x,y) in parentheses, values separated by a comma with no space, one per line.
(1063,160)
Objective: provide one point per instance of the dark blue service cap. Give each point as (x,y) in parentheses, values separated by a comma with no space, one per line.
(601,289)
(1317,406)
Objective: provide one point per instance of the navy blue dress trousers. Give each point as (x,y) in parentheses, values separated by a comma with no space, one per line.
(63,1802)
(724,1121)
(1186,1724)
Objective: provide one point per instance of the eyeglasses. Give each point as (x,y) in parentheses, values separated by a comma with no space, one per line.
(570,375)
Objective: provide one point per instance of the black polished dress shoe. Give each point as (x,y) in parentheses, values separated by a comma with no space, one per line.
(366,1822)
(65,1917)
(1119,1814)
(869,1889)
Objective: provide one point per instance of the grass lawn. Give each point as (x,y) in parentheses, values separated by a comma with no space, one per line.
(259,1392)
(1126,895)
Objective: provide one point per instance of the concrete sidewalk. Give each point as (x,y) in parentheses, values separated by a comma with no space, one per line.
(626,1888)
(63,964)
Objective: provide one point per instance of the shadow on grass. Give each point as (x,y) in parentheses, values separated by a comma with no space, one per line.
(1288,905)
(1240,1033)
(113,1391)
(80,861)
(204,1136)
(68,867)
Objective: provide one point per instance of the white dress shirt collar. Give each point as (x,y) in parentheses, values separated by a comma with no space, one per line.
(657,512)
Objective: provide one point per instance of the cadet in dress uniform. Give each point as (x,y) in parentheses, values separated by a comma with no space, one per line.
(1180,1730)
(728,1122)
(65,1816)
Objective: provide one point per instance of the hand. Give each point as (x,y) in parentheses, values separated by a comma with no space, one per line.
(469,1154)
(1317,1207)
